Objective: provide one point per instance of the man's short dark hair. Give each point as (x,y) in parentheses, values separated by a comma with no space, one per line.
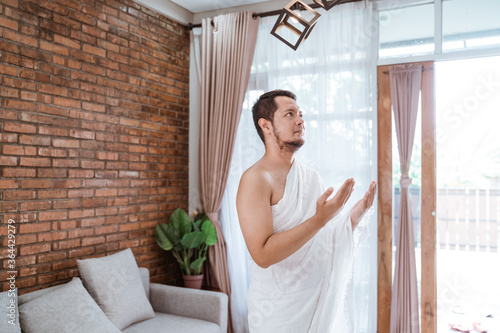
(265,107)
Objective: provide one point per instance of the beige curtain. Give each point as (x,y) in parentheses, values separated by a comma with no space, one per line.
(405,83)
(227,48)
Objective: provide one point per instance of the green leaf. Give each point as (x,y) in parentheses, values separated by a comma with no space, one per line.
(161,237)
(180,220)
(209,232)
(193,239)
(173,235)
(196,265)
(197,225)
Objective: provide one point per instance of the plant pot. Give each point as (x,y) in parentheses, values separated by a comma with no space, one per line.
(193,281)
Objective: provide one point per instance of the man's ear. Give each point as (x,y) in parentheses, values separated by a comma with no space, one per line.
(265,125)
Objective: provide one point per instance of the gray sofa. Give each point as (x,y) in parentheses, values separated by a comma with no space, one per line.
(115,297)
(182,309)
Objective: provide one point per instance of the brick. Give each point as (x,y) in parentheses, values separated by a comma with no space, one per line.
(106,229)
(106,211)
(34,140)
(18,195)
(64,225)
(18,172)
(66,204)
(52,152)
(82,252)
(66,143)
(36,183)
(8,137)
(52,131)
(34,270)
(9,92)
(35,205)
(107,156)
(52,236)
(70,263)
(8,160)
(65,102)
(21,240)
(51,216)
(65,163)
(92,165)
(6,207)
(93,240)
(94,50)
(35,118)
(87,203)
(52,256)
(87,135)
(35,161)
(18,150)
(106,193)
(81,233)
(8,23)
(31,228)
(81,193)
(19,128)
(68,42)
(81,174)
(52,194)
(6,183)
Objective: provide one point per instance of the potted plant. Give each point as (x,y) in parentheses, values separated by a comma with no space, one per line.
(189,241)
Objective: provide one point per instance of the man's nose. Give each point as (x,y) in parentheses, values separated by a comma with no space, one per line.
(300,121)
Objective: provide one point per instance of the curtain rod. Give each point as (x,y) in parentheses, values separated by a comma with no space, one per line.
(190,26)
(423,69)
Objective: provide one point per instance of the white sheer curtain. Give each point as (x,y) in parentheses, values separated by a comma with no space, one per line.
(331,74)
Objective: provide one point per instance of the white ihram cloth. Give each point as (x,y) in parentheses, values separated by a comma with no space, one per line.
(311,290)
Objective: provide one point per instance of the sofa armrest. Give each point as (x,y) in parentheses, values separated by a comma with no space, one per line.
(193,303)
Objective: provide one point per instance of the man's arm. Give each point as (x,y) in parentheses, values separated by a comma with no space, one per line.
(254,213)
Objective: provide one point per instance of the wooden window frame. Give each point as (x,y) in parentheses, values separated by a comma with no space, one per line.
(428,200)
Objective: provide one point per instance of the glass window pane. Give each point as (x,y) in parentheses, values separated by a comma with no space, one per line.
(468,193)
(470,24)
(407,31)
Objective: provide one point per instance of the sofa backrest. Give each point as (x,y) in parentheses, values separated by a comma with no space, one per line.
(34,294)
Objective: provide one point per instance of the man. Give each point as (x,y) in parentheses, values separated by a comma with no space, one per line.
(302,248)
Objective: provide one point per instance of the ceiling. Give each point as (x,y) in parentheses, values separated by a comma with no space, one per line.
(199,6)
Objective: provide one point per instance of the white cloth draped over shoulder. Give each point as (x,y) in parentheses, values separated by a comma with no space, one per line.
(311,290)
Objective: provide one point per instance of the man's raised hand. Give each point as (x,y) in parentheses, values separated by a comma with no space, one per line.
(362,206)
(328,209)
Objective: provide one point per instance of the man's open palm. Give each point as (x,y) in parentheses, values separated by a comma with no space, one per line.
(362,206)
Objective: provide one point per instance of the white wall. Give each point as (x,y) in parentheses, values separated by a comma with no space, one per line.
(169,9)
(194,131)
(256,8)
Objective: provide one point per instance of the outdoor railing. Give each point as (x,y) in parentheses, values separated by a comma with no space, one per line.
(467,219)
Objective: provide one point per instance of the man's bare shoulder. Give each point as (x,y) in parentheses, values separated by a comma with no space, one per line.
(257,175)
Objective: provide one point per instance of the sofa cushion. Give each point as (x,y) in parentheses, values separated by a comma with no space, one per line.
(115,283)
(145,280)
(68,308)
(10,319)
(164,322)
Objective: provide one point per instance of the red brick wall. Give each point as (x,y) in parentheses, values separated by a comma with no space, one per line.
(93,134)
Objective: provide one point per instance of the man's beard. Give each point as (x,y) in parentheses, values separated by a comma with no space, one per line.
(291,146)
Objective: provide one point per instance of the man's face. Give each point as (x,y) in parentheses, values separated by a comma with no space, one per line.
(288,125)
